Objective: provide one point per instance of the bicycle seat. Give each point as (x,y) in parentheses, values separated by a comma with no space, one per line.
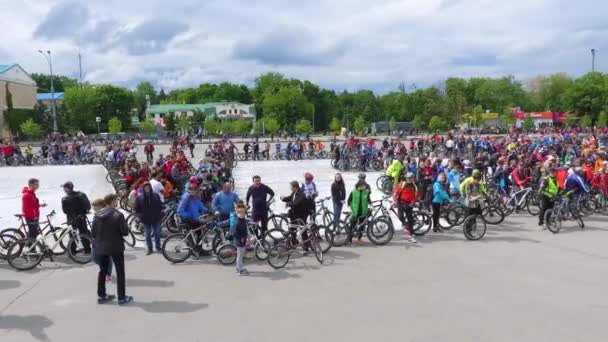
(346,212)
(18,216)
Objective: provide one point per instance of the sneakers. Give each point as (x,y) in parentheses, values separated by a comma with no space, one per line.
(359,242)
(106,299)
(108,278)
(243,272)
(149,252)
(438,230)
(125,301)
(411,238)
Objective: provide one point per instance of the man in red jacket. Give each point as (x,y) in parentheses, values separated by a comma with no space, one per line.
(30,207)
(404,195)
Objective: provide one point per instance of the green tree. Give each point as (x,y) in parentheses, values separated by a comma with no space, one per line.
(212,126)
(456,101)
(115,125)
(60,83)
(271,125)
(587,121)
(419,122)
(197,119)
(392,123)
(31,129)
(242,126)
(570,121)
(547,92)
(170,122)
(334,124)
(360,124)
(148,126)
(437,124)
(477,116)
(287,106)
(143,90)
(183,124)
(506,117)
(528,123)
(228,126)
(602,119)
(303,126)
(588,94)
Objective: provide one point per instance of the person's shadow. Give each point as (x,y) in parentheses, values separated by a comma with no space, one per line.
(34,324)
(169,306)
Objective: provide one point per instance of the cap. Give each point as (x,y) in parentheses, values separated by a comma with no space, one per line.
(362,175)
(409,175)
(476,173)
(68,185)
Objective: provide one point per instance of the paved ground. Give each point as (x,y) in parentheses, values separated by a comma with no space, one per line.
(517,284)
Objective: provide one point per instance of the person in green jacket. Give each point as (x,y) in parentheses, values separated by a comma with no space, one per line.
(358,201)
(394,170)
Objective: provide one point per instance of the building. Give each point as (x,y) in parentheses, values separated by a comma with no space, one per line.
(219,110)
(540,118)
(46,99)
(22,89)
(384,126)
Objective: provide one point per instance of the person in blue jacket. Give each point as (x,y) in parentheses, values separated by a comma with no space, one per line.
(224,202)
(191,207)
(439,195)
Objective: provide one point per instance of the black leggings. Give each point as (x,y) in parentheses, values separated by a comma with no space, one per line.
(406,211)
(436,214)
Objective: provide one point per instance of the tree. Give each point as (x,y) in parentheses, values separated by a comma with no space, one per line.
(587,121)
(334,124)
(392,123)
(170,122)
(588,94)
(303,126)
(437,124)
(212,126)
(602,119)
(360,124)
(456,100)
(143,90)
(419,122)
(287,106)
(115,125)
(570,121)
(31,129)
(197,119)
(506,117)
(476,116)
(528,123)
(242,126)
(547,93)
(148,126)
(183,124)
(267,126)
(60,83)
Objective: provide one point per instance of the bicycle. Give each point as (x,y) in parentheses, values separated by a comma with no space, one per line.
(280,253)
(227,253)
(178,247)
(26,254)
(563,210)
(379,229)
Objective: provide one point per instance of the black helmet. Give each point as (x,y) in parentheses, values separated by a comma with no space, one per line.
(362,175)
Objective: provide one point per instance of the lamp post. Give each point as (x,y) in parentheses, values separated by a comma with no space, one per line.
(48,58)
(593,51)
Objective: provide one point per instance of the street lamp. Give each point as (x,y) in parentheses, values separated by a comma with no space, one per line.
(593,51)
(48,58)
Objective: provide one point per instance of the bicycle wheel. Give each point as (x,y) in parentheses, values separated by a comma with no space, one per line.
(14,232)
(278,256)
(422,223)
(379,181)
(325,237)
(261,250)
(278,222)
(455,215)
(474,227)
(25,254)
(207,241)
(380,232)
(177,248)
(492,215)
(77,250)
(577,216)
(172,223)
(340,233)
(129,239)
(6,241)
(328,218)
(226,254)
(275,236)
(553,222)
(218,241)
(533,204)
(316,247)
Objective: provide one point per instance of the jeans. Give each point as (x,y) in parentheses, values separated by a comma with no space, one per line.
(240,253)
(152,228)
(32,228)
(80,223)
(337,211)
(96,260)
(104,262)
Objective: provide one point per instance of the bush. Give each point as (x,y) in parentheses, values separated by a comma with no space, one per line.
(31,129)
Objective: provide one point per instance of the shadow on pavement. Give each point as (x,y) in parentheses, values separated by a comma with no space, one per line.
(146,283)
(9,284)
(34,324)
(169,306)
(275,275)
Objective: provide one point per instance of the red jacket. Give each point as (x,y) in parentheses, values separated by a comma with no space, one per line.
(405,193)
(30,207)
(523,180)
(8,151)
(561,176)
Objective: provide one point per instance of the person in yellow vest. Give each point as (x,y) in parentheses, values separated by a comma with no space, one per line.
(394,170)
(548,189)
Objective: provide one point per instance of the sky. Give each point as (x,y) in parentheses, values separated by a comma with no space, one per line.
(338,44)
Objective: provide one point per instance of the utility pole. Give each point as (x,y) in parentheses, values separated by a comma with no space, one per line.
(313,118)
(49,59)
(80,68)
(593,51)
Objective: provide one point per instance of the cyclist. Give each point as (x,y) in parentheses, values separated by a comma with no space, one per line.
(548,189)
(405,195)
(309,188)
(76,205)
(361,178)
(439,196)
(358,200)
(576,182)
(454,177)
(472,193)
(30,207)
(476,175)
(259,193)
(394,170)
(223,202)
(521,176)
(298,210)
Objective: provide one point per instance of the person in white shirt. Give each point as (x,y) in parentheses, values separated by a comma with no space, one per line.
(157,186)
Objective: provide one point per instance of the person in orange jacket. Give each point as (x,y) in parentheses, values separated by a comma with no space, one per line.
(561,175)
(405,195)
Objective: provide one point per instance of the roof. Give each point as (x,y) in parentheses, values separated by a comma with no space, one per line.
(48,97)
(208,108)
(5,67)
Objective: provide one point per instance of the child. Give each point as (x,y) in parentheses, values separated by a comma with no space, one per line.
(238,230)
(97,205)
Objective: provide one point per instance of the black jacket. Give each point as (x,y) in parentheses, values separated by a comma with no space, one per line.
(338,191)
(109,227)
(149,207)
(298,207)
(75,204)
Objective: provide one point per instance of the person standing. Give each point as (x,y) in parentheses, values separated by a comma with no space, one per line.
(109,228)
(266,152)
(358,200)
(223,202)
(239,233)
(75,206)
(298,210)
(439,196)
(149,207)
(149,150)
(157,185)
(30,207)
(548,189)
(97,205)
(338,195)
(191,147)
(258,193)
(405,195)
(309,188)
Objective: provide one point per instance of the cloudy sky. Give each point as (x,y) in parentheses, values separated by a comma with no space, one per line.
(340,44)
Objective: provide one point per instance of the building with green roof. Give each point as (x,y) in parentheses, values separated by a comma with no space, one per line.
(219,110)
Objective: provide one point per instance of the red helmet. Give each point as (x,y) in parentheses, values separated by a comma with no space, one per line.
(308,176)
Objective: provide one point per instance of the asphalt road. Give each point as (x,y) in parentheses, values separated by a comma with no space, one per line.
(519,283)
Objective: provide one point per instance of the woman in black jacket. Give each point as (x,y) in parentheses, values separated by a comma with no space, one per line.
(338,194)
(298,211)
(149,208)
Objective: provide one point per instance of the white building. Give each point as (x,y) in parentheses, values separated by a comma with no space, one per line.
(219,110)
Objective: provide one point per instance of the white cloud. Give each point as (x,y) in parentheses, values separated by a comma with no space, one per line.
(340,44)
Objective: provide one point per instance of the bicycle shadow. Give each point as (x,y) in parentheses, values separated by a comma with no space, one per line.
(276,275)
(169,306)
(133,282)
(33,324)
(9,284)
